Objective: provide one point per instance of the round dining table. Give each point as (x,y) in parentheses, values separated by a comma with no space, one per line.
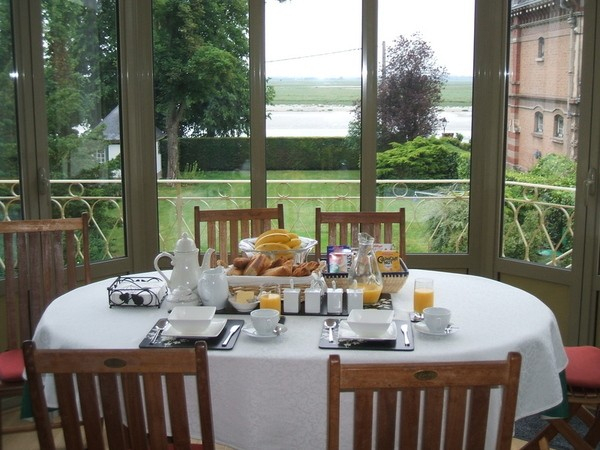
(272,393)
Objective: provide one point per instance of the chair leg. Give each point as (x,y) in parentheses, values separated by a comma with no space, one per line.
(541,440)
(570,435)
(593,435)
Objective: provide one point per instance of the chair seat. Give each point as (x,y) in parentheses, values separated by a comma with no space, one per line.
(12,366)
(583,370)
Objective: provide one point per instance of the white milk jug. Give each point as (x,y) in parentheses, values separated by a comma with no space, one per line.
(213,287)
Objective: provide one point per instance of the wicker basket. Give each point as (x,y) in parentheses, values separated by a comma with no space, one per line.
(392,281)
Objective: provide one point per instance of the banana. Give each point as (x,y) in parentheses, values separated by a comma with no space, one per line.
(295,243)
(271,246)
(271,231)
(281,238)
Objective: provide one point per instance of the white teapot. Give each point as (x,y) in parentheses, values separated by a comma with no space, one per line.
(186,269)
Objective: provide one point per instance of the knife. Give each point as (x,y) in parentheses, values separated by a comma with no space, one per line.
(231,333)
(404,328)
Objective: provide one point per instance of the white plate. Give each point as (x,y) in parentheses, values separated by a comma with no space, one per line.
(251,331)
(346,333)
(421,327)
(213,330)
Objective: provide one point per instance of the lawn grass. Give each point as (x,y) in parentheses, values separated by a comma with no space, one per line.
(299,200)
(346,91)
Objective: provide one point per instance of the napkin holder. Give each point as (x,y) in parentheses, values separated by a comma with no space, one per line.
(137,292)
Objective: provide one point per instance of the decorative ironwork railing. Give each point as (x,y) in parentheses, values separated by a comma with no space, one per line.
(538,219)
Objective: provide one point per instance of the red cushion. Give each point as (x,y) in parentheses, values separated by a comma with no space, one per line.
(583,369)
(11,365)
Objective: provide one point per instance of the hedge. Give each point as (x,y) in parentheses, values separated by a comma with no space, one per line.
(303,153)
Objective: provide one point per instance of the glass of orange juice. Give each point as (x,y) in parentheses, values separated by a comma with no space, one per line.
(270,300)
(423,296)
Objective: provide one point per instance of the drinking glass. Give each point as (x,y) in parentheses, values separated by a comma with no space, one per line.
(423,296)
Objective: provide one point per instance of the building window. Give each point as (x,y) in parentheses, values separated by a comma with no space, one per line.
(559,123)
(540,53)
(538,126)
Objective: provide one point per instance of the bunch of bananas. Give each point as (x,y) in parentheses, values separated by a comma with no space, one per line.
(277,239)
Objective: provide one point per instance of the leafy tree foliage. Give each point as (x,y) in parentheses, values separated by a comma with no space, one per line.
(409,90)
(422,158)
(201,71)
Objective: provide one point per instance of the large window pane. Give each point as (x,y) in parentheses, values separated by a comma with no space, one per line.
(542,130)
(10,200)
(82,101)
(313,64)
(202,106)
(424,119)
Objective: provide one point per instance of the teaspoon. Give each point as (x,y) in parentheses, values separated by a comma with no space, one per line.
(330,324)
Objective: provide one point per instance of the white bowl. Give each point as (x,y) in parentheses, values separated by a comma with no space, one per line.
(370,322)
(243,306)
(191,319)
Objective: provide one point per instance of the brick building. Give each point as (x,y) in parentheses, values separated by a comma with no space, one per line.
(544,80)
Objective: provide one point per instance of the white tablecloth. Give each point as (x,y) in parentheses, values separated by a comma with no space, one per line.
(271,394)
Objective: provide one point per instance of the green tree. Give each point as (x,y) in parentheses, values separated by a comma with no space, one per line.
(200,70)
(422,158)
(409,90)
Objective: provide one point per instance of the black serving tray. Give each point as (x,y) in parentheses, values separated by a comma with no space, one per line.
(212,343)
(397,345)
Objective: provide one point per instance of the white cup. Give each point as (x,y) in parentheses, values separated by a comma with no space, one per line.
(437,318)
(264,321)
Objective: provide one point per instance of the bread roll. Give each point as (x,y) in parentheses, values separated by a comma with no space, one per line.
(257,265)
(280,271)
(241,262)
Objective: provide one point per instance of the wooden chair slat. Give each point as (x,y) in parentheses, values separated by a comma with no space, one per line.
(386,423)
(67,407)
(90,412)
(113,417)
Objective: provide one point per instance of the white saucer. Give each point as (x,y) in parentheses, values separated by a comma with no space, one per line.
(213,330)
(346,333)
(421,327)
(251,331)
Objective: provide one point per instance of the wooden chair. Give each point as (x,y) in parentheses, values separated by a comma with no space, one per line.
(226,227)
(583,394)
(437,403)
(40,259)
(124,389)
(343,228)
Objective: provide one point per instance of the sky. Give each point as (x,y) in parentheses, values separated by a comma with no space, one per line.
(323,36)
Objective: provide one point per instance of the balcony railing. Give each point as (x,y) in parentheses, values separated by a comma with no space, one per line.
(535,228)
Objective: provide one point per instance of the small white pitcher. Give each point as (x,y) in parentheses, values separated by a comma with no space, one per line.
(213,287)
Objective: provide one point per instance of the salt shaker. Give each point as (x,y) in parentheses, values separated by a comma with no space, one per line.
(334,300)
(354,297)
(291,299)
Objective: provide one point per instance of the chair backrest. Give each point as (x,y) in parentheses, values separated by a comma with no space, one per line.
(437,403)
(343,228)
(123,388)
(226,227)
(39,259)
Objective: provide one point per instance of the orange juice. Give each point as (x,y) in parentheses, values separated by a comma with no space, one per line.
(271,301)
(423,299)
(371,292)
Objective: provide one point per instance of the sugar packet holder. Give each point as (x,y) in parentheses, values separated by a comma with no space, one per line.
(137,292)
